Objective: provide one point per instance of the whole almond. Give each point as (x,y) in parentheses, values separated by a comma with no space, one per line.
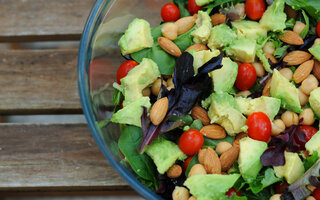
(174,171)
(170,31)
(201,154)
(229,157)
(199,113)
(197,47)
(213,132)
(236,142)
(271,57)
(185,24)
(218,18)
(196,170)
(266,89)
(159,111)
(212,162)
(303,71)
(296,57)
(292,38)
(316,69)
(169,47)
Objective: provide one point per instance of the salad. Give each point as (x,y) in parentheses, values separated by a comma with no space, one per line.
(222,100)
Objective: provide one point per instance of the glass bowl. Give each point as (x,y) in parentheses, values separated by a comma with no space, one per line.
(98,60)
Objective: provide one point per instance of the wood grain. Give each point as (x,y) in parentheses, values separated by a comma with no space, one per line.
(38,20)
(53,157)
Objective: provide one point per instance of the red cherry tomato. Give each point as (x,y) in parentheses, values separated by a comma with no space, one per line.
(185,164)
(231,192)
(255,9)
(193,7)
(318,28)
(191,142)
(170,12)
(316,194)
(125,68)
(259,126)
(247,76)
(279,187)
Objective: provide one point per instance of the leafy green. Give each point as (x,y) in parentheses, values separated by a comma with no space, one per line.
(305,31)
(182,5)
(261,41)
(265,194)
(187,119)
(311,6)
(217,3)
(196,124)
(308,162)
(185,40)
(193,161)
(213,143)
(264,180)
(290,23)
(280,51)
(117,95)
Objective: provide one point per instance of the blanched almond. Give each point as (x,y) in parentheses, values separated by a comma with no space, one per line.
(159,111)
(212,162)
(185,24)
(292,38)
(229,157)
(197,169)
(316,69)
(218,18)
(197,47)
(170,31)
(213,132)
(296,57)
(303,71)
(169,47)
(199,113)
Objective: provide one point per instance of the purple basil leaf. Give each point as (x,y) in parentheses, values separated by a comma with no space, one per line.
(274,156)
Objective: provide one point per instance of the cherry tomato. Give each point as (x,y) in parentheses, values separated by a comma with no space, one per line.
(231,192)
(247,76)
(279,187)
(185,164)
(309,131)
(255,9)
(259,126)
(191,142)
(170,12)
(318,28)
(316,194)
(125,68)
(193,7)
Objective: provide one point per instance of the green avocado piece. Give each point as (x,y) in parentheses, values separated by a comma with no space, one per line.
(203,2)
(223,79)
(243,50)
(282,89)
(249,158)
(210,186)
(139,78)
(202,32)
(131,113)
(221,36)
(274,18)
(269,105)
(314,101)
(249,29)
(314,144)
(202,57)
(224,111)
(137,37)
(164,154)
(315,51)
(292,170)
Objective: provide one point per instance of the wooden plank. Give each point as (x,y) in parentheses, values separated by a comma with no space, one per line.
(53,158)
(38,20)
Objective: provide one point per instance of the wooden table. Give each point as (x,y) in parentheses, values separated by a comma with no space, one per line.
(47,159)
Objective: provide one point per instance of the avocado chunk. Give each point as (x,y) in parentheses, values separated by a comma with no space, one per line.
(243,50)
(249,158)
(315,51)
(202,57)
(224,111)
(202,33)
(139,78)
(274,18)
(131,113)
(249,29)
(314,101)
(269,105)
(164,154)
(293,168)
(203,2)
(137,37)
(221,36)
(314,144)
(282,89)
(223,79)
(210,186)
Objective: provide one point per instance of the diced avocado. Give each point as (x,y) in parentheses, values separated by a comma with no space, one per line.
(132,112)
(274,18)
(221,36)
(293,168)
(137,37)
(210,186)
(315,51)
(139,78)
(249,158)
(249,29)
(224,111)
(202,33)
(269,105)
(202,57)
(164,154)
(314,101)
(314,144)
(223,79)
(282,89)
(203,2)
(243,50)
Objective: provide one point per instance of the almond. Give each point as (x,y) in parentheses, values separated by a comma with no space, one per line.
(296,57)
(229,157)
(197,169)
(185,24)
(212,162)
(174,171)
(316,69)
(201,154)
(213,132)
(199,113)
(238,138)
(303,71)
(266,89)
(159,111)
(271,57)
(197,47)
(169,47)
(218,18)
(170,31)
(292,38)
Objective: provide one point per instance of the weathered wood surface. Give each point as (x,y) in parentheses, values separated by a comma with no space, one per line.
(53,157)
(37,20)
